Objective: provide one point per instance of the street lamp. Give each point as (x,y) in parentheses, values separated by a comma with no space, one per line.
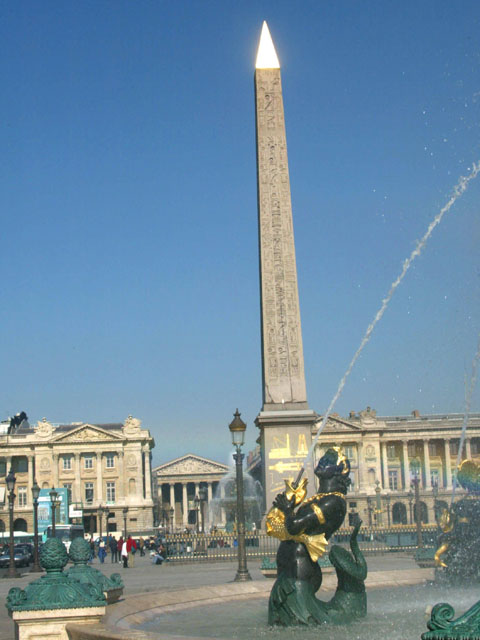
(387,503)
(10,481)
(378,510)
(101,512)
(237,429)
(53,500)
(125,511)
(35,494)
(415,467)
(171,513)
(196,501)
(410,500)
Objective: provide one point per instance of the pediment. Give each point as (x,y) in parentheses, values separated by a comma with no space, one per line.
(190,464)
(340,425)
(87,433)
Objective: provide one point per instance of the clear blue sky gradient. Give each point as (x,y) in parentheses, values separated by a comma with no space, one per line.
(129,262)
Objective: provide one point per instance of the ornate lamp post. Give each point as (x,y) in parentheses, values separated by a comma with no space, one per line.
(378,499)
(35,493)
(410,500)
(196,502)
(171,513)
(202,493)
(101,512)
(125,511)
(387,503)
(415,467)
(237,429)
(435,501)
(53,500)
(10,481)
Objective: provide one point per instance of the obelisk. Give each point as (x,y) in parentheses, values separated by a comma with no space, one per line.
(285,421)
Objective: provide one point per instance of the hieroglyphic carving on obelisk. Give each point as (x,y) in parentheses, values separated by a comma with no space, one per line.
(282,350)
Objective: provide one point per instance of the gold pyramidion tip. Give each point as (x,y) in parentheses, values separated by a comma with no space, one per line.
(266,54)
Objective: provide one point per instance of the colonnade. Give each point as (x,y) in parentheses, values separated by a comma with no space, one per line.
(166,492)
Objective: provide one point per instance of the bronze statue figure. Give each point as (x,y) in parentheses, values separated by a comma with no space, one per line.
(304,527)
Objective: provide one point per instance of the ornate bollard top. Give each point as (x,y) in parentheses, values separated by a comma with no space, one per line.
(56,590)
(79,551)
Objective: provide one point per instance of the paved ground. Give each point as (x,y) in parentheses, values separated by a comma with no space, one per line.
(145,577)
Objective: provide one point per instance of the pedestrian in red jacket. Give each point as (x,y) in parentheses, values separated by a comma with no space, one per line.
(131,548)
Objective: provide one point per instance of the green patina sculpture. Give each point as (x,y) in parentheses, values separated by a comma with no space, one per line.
(304,527)
(79,554)
(458,555)
(55,590)
(443,627)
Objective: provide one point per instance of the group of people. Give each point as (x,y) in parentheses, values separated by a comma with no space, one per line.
(123,550)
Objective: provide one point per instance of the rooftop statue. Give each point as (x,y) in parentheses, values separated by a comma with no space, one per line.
(304,527)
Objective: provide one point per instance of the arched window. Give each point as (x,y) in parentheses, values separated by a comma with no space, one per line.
(20,525)
(399,513)
(132,487)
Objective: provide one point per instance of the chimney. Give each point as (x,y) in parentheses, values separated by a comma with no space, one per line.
(351,414)
(416,413)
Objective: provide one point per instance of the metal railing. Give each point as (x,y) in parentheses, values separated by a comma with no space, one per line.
(221,547)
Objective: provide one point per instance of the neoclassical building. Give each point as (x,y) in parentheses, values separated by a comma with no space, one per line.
(384,452)
(178,482)
(99,464)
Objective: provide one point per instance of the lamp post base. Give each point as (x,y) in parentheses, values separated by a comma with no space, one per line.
(12,574)
(242,576)
(36,569)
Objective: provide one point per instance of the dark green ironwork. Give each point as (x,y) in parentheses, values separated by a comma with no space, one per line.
(443,627)
(55,590)
(85,574)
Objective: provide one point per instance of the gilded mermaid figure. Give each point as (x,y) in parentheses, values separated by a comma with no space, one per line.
(304,527)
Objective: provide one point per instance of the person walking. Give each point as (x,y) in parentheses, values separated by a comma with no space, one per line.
(141,544)
(119,548)
(113,549)
(131,549)
(102,552)
(124,554)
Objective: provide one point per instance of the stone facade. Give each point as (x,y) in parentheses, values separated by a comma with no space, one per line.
(176,483)
(99,464)
(381,450)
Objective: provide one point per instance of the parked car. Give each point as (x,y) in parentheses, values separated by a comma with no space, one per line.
(21,558)
(28,548)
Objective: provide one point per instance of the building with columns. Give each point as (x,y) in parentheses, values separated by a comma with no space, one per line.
(178,482)
(105,465)
(384,452)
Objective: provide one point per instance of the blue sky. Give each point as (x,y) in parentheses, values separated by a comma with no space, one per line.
(128,197)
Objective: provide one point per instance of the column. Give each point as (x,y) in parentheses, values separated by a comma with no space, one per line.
(172,495)
(148,475)
(184,504)
(207,506)
(197,488)
(209,492)
(448,463)
(426,458)
(222,510)
(31,459)
(406,466)
(468,448)
(55,470)
(386,484)
(77,492)
(122,494)
(99,478)
(361,474)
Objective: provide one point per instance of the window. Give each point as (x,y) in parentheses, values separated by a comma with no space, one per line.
(110,460)
(22,496)
(67,463)
(350,451)
(434,477)
(110,491)
(453,447)
(89,491)
(393,480)
(433,449)
(88,462)
(391,451)
(412,450)
(68,487)
(3,468)
(20,464)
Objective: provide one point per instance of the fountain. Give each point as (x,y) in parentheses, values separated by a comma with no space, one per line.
(222,508)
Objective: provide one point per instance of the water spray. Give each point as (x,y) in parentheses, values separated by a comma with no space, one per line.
(458,190)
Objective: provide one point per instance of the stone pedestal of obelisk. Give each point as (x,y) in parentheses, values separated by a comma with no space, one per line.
(285,421)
